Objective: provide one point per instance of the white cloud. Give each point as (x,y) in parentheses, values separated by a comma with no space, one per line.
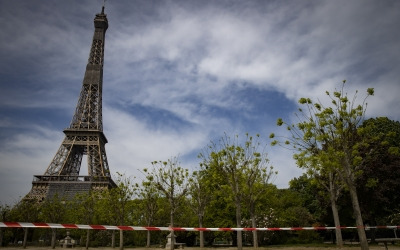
(22,156)
(133,145)
(283,162)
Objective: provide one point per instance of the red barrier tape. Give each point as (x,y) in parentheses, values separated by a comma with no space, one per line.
(134,228)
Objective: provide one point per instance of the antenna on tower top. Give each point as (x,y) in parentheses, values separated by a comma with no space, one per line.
(104,4)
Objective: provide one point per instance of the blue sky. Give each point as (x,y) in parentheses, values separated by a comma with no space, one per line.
(179,74)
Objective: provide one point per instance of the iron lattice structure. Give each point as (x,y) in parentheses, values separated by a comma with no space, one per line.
(83,137)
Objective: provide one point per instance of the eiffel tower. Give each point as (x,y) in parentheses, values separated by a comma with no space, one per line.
(83,137)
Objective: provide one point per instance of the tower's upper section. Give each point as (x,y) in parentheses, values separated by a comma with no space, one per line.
(96,56)
(88,113)
(100,21)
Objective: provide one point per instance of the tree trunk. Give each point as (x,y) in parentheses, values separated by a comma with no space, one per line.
(373,231)
(239,225)
(172,247)
(25,237)
(357,213)
(335,213)
(148,239)
(121,239)
(150,208)
(53,238)
(87,238)
(201,232)
(254,225)
(1,237)
(113,239)
(349,180)
(172,203)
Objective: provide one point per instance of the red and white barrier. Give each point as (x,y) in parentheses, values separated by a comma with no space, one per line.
(134,228)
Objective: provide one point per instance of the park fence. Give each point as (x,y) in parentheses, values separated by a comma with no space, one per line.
(138,228)
(218,240)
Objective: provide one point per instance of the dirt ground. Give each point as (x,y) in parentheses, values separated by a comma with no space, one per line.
(374,247)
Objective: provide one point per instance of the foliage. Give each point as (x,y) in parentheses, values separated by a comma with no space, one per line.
(199,197)
(82,209)
(4,216)
(325,136)
(314,197)
(379,181)
(171,180)
(53,210)
(236,173)
(148,195)
(327,140)
(115,203)
(242,170)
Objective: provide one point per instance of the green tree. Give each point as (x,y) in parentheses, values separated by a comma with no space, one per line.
(4,212)
(220,211)
(258,173)
(327,137)
(314,196)
(53,210)
(245,170)
(172,181)
(394,218)
(227,160)
(116,205)
(25,210)
(149,196)
(380,173)
(331,182)
(266,213)
(200,196)
(291,209)
(288,209)
(84,210)
(333,185)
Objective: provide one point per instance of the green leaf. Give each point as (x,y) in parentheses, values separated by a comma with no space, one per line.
(303,100)
(337,94)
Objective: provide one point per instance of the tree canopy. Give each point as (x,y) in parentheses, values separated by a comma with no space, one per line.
(327,140)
